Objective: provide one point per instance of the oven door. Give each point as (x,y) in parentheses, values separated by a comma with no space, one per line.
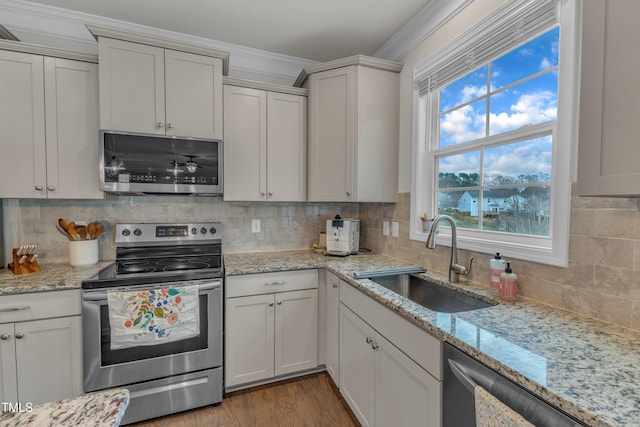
(107,368)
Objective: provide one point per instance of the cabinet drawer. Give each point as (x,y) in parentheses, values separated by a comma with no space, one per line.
(418,344)
(39,305)
(269,283)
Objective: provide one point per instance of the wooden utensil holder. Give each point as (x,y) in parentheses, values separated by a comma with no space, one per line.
(28,266)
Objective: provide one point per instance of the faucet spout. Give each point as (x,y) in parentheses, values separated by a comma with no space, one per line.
(455,269)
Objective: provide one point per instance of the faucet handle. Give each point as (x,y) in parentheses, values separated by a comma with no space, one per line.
(461,269)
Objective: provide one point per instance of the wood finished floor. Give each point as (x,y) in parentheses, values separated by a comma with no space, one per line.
(311,400)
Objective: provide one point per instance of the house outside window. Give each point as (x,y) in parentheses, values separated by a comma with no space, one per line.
(494,123)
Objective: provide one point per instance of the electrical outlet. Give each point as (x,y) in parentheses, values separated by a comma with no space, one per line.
(395,229)
(385,228)
(255,226)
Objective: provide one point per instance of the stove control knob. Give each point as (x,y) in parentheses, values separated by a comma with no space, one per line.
(194,231)
(137,232)
(126,232)
(212,230)
(203,230)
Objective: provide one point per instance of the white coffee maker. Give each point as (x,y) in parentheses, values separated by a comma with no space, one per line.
(343,236)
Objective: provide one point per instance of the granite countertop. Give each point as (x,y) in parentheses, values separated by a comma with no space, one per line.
(103,409)
(586,367)
(53,277)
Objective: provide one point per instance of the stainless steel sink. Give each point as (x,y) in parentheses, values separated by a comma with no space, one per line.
(429,294)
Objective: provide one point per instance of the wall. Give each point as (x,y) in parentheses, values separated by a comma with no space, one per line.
(284,226)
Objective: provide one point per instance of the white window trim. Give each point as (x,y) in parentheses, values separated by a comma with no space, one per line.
(552,250)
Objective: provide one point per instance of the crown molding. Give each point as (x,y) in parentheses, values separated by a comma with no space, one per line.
(252,84)
(62,26)
(368,61)
(427,21)
(34,49)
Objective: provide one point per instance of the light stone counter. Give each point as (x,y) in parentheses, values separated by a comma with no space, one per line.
(103,409)
(588,368)
(53,277)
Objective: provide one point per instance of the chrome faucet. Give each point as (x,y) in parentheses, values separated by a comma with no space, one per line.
(455,269)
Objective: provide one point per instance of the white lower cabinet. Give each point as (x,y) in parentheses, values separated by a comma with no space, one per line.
(271,326)
(382,385)
(40,360)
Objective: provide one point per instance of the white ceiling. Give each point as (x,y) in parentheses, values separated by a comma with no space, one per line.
(318,30)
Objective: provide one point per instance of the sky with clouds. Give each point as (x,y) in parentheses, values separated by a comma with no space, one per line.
(516,100)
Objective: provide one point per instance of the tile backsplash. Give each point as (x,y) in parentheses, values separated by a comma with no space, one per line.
(601,281)
(284,226)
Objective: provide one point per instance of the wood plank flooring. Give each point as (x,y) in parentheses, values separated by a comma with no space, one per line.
(311,400)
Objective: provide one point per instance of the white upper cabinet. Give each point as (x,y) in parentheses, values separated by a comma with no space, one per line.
(49,121)
(265,137)
(353,130)
(608,150)
(156,90)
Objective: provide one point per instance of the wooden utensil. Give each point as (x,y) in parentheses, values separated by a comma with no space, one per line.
(91,229)
(82,232)
(71,230)
(99,229)
(63,224)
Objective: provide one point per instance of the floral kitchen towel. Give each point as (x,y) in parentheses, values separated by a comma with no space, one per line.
(490,412)
(153,316)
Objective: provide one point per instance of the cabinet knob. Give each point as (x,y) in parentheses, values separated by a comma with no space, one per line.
(262,193)
(169,125)
(51,187)
(279,302)
(159,125)
(39,187)
(19,335)
(5,337)
(270,304)
(270,193)
(369,340)
(348,193)
(335,285)
(374,345)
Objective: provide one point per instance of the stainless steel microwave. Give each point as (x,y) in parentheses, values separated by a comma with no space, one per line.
(154,164)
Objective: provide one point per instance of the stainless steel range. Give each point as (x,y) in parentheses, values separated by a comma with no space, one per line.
(152,320)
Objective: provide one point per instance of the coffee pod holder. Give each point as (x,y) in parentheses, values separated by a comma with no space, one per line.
(24,263)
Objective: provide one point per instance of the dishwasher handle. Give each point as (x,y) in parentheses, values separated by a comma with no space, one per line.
(462,376)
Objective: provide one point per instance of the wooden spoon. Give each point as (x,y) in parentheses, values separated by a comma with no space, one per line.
(82,232)
(99,229)
(63,224)
(91,229)
(71,230)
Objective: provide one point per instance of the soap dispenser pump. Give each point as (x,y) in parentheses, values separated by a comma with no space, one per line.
(508,284)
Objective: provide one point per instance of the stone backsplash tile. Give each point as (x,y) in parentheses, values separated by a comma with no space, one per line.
(604,257)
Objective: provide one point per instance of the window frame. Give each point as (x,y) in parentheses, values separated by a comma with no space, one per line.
(552,250)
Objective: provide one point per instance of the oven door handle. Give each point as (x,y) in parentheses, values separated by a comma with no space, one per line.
(101,295)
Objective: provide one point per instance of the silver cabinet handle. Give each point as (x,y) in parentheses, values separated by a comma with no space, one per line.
(369,340)
(169,125)
(279,282)
(51,187)
(374,345)
(262,193)
(5,337)
(279,302)
(5,310)
(270,304)
(159,125)
(39,187)
(348,193)
(270,193)
(335,285)
(19,335)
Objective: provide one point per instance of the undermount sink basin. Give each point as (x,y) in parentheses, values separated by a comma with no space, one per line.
(431,295)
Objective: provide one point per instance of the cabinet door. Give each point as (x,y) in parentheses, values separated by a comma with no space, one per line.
(22,135)
(245,144)
(249,339)
(131,87)
(286,147)
(71,107)
(406,395)
(8,377)
(608,150)
(331,135)
(193,95)
(49,359)
(357,363)
(332,331)
(296,331)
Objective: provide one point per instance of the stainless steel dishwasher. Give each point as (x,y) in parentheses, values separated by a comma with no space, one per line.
(462,374)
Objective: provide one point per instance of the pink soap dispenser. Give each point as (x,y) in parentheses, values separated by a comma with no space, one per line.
(496,267)
(508,284)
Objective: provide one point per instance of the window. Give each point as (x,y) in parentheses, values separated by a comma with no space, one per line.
(495,114)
